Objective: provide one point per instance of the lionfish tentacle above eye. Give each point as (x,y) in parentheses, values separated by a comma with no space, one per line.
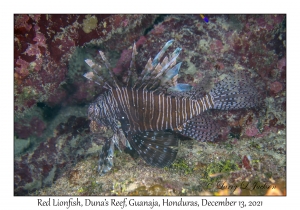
(148,111)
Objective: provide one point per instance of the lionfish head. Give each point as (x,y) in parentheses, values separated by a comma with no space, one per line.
(98,110)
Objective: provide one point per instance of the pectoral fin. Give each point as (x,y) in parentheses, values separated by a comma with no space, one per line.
(106,157)
(156,148)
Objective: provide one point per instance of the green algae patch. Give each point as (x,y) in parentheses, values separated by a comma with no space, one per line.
(89,23)
(221,167)
(181,166)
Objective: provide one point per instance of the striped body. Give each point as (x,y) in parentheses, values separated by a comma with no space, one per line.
(150,111)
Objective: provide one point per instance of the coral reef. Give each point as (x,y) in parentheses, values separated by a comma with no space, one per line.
(49,53)
(44,44)
(40,167)
(201,169)
(35,128)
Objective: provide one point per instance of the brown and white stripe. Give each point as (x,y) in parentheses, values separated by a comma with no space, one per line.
(150,111)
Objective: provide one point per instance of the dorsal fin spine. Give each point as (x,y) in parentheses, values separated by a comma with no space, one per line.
(163,50)
(108,66)
(165,67)
(94,75)
(132,75)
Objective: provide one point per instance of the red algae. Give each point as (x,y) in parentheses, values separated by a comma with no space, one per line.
(32,50)
(142,40)
(281,63)
(123,63)
(276,87)
(22,70)
(246,163)
(21,22)
(216,46)
(35,127)
(251,131)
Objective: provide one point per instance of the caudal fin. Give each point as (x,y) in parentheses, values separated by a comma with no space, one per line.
(234,92)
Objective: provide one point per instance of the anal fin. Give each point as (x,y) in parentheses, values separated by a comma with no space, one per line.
(156,148)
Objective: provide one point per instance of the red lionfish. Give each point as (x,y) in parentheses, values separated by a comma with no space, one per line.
(147,112)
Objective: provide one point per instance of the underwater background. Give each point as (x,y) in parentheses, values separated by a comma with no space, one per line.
(55,151)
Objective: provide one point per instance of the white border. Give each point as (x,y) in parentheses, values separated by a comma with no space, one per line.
(8,8)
